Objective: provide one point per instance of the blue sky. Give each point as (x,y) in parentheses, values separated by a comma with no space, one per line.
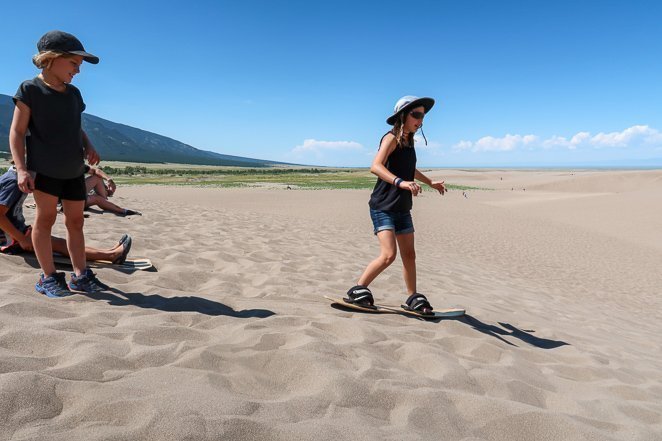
(517,83)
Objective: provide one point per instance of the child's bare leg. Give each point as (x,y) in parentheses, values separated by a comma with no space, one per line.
(90,182)
(408,256)
(387,254)
(100,189)
(91,253)
(74,220)
(45,216)
(96,183)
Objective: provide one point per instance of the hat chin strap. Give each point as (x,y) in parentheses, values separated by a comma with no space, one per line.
(422,133)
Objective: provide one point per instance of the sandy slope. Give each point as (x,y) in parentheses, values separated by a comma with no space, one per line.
(231,338)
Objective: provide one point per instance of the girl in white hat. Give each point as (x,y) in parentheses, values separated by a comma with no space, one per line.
(391,203)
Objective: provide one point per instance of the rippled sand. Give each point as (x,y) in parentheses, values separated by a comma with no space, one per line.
(232,339)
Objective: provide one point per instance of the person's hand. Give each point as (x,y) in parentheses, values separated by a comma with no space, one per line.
(439,186)
(91,155)
(25,181)
(411,186)
(110,187)
(26,241)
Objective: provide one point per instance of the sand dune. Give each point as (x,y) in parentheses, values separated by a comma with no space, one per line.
(231,337)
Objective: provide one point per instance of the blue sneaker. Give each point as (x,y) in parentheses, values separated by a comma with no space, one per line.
(54,286)
(86,282)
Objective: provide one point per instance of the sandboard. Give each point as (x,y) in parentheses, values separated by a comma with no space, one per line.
(129,263)
(376,309)
(436,313)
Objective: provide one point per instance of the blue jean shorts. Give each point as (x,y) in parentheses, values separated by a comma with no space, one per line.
(399,221)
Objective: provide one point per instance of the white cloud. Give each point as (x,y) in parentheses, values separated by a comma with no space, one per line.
(492,144)
(318,147)
(331,153)
(632,137)
(579,138)
(463,145)
(628,137)
(557,141)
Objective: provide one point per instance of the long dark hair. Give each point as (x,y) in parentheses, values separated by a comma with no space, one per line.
(402,139)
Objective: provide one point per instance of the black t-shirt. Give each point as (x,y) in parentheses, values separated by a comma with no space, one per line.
(54,142)
(386,196)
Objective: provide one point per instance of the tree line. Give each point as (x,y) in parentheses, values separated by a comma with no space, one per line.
(140,170)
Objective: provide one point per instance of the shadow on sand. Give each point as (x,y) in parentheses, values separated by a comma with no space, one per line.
(508,330)
(498,332)
(98,211)
(116,297)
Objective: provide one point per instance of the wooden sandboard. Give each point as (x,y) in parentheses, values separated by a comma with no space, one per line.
(436,313)
(376,309)
(385,309)
(129,264)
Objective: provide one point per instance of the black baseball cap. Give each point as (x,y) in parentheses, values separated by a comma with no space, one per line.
(58,41)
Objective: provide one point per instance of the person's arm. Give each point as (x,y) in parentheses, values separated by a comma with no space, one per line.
(379,169)
(17,132)
(90,152)
(5,225)
(437,185)
(100,173)
(110,184)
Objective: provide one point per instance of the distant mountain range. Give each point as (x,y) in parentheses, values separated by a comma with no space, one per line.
(118,142)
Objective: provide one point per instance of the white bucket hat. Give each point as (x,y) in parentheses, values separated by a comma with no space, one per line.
(409,102)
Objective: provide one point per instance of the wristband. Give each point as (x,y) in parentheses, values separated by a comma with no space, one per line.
(397,182)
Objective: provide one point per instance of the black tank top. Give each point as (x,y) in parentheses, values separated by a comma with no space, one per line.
(386,196)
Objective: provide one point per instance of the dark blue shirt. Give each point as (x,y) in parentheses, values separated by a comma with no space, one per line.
(12,197)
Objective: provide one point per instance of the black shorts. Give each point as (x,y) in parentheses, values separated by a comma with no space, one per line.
(65,189)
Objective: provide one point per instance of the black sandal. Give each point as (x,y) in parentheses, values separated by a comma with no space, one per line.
(418,303)
(361,296)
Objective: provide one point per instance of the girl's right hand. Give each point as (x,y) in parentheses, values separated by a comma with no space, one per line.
(411,186)
(25,182)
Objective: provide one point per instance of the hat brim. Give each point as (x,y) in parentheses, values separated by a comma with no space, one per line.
(426,103)
(86,56)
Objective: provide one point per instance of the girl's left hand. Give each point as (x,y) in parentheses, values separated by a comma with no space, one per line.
(439,186)
(91,155)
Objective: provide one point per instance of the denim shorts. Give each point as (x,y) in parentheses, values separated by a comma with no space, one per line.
(400,221)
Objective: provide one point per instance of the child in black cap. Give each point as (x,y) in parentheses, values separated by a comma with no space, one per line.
(47,126)
(391,203)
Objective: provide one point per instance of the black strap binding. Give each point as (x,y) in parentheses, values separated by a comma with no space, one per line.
(360,295)
(419,303)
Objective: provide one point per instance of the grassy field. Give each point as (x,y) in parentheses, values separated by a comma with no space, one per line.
(302,178)
(209,176)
